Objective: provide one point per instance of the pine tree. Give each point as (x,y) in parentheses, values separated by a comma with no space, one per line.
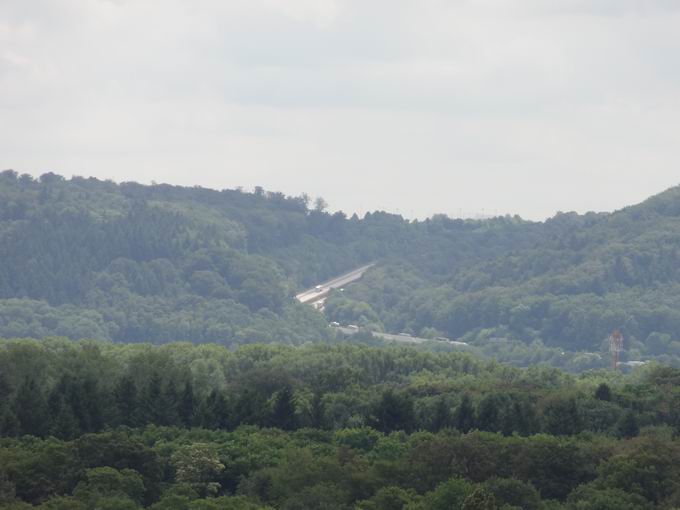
(442,415)
(186,406)
(628,426)
(318,411)
(562,417)
(219,410)
(488,414)
(5,391)
(63,424)
(9,425)
(465,415)
(151,405)
(213,412)
(125,397)
(603,392)
(170,403)
(30,409)
(283,412)
(93,420)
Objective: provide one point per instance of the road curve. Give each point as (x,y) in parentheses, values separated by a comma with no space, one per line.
(321,291)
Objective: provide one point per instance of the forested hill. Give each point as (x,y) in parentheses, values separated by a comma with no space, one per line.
(86,258)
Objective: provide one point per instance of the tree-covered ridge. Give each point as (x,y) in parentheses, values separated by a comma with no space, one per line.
(86,258)
(184,426)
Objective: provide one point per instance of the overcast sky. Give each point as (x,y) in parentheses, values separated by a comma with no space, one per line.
(417,107)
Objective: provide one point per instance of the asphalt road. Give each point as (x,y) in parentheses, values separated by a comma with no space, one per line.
(400,338)
(317,294)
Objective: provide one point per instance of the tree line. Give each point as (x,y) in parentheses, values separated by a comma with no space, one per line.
(180,426)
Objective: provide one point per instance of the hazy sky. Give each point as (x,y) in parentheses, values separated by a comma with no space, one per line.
(420,106)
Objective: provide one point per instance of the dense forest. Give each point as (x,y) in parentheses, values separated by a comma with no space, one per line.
(96,425)
(85,258)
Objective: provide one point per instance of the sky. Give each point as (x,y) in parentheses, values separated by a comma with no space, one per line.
(461,107)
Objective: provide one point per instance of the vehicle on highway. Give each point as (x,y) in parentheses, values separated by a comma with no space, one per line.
(442,339)
(318,288)
(352,326)
(334,324)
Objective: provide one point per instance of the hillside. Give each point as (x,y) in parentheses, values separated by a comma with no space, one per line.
(85,258)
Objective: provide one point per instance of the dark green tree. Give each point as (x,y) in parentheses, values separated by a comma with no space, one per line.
(465,415)
(627,426)
(151,405)
(30,408)
(318,412)
(488,414)
(126,400)
(170,401)
(283,411)
(394,411)
(562,417)
(63,424)
(441,416)
(603,392)
(187,403)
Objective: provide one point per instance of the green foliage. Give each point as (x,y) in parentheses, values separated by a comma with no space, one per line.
(107,483)
(447,495)
(85,258)
(242,435)
(479,499)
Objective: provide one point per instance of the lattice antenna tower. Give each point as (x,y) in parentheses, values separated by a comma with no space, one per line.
(615,347)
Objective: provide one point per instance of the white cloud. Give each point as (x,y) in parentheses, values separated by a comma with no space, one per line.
(437,105)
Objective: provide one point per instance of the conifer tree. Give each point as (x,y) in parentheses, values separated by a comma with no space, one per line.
(169,403)
(603,392)
(151,405)
(628,426)
(126,399)
(187,404)
(9,425)
(283,411)
(63,424)
(30,408)
(488,414)
(318,411)
(465,415)
(442,415)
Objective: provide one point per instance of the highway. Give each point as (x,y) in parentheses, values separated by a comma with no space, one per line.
(317,295)
(399,338)
(319,292)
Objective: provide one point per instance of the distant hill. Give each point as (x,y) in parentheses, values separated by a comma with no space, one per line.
(127,262)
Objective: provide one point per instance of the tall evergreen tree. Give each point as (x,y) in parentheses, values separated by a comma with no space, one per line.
(488,414)
(465,415)
(562,417)
(91,419)
(9,425)
(213,412)
(30,408)
(603,392)
(318,411)
(170,404)
(283,411)
(126,400)
(5,390)
(63,424)
(187,404)
(151,403)
(627,426)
